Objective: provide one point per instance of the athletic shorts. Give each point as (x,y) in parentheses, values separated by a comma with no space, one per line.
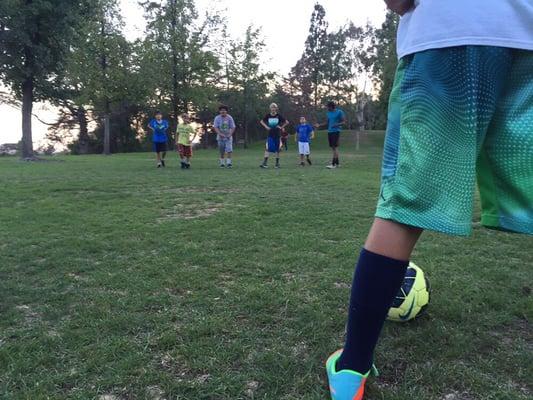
(456,114)
(225,145)
(304,148)
(333,139)
(160,147)
(185,151)
(273,144)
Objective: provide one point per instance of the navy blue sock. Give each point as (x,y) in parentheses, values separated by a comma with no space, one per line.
(376,282)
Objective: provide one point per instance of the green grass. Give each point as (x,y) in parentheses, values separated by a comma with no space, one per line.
(123,280)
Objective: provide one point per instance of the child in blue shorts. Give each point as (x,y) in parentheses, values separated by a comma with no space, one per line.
(273,122)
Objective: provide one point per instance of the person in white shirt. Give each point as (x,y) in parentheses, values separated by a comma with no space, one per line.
(461,107)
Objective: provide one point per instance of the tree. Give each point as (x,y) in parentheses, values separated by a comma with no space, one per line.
(383,62)
(35,36)
(177,53)
(308,73)
(247,82)
(101,82)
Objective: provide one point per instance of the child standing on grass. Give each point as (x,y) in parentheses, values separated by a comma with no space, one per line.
(184,132)
(336,119)
(304,134)
(461,105)
(159,127)
(225,128)
(273,122)
(285,139)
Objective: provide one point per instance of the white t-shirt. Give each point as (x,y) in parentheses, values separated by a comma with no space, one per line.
(434,24)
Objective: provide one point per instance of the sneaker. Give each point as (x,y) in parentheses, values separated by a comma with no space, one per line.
(346,384)
(163,163)
(263,166)
(331,166)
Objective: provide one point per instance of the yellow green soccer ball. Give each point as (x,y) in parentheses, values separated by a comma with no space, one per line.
(413,297)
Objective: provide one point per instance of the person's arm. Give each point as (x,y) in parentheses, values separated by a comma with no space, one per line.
(284,123)
(265,125)
(232,127)
(312,133)
(150,126)
(194,137)
(318,125)
(215,127)
(400,6)
(342,121)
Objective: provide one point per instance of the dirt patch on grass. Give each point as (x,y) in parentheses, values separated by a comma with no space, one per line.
(155,393)
(189,212)
(508,334)
(30,317)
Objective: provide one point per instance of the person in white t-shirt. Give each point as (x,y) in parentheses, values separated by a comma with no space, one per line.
(461,107)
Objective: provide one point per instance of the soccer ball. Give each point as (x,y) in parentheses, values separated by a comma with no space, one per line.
(413,297)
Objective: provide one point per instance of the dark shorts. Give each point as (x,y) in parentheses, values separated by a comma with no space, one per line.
(333,139)
(273,144)
(185,151)
(160,147)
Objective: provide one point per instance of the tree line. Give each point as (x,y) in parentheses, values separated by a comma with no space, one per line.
(74,55)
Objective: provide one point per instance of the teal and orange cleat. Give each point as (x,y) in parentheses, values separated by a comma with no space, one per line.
(345,384)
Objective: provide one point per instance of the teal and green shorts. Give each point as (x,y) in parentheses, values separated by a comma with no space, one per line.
(457,114)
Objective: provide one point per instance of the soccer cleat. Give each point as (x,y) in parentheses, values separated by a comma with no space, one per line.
(158,165)
(188,165)
(331,166)
(309,161)
(263,166)
(345,384)
(302,164)
(230,166)
(277,166)
(222,166)
(183,165)
(163,163)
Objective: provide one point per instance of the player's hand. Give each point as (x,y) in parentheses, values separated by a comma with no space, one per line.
(400,6)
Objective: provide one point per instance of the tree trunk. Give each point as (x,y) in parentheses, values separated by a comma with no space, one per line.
(83,139)
(107,135)
(174,97)
(27,107)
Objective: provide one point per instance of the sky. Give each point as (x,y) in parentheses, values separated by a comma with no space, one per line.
(284,24)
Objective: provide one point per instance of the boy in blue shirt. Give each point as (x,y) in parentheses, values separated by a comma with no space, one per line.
(336,118)
(159,127)
(304,134)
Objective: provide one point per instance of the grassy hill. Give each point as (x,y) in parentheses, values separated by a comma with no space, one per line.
(121,280)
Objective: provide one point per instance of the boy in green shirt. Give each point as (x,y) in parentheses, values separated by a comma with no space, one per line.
(184,132)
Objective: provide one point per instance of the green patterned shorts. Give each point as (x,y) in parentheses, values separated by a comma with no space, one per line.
(454,114)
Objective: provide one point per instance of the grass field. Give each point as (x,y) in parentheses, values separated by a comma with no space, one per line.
(121,281)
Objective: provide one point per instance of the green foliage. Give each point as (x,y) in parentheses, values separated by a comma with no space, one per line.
(35,36)
(247,83)
(384,62)
(177,55)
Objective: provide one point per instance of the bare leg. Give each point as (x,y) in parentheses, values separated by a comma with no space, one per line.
(392,239)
